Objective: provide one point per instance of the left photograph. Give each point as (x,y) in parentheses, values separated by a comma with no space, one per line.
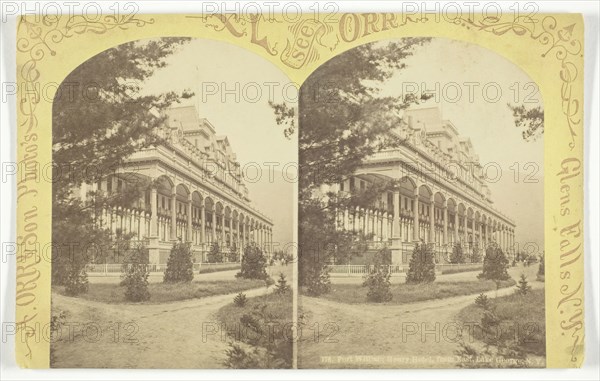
(172,225)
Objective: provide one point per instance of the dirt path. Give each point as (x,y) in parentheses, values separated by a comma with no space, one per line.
(422,334)
(172,335)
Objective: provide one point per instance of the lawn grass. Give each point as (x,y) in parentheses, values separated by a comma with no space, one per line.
(113,293)
(462,269)
(265,322)
(523,316)
(410,293)
(219,267)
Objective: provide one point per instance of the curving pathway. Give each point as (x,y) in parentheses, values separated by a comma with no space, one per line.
(415,335)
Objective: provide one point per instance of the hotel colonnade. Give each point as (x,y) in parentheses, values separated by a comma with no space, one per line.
(192,190)
(439,196)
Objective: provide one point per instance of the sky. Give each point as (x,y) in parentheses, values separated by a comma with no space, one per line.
(233,88)
(458,69)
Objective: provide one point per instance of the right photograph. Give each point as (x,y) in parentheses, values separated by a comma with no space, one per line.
(421,210)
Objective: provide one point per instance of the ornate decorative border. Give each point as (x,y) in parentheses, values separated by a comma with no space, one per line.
(306,42)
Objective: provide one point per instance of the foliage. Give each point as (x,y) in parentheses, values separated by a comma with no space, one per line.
(233,255)
(240,358)
(476,256)
(214,254)
(282,287)
(421,268)
(99,118)
(134,276)
(457,255)
(271,348)
(317,280)
(254,263)
(531,120)
(344,119)
(483,301)
(180,267)
(542,268)
(378,278)
(240,300)
(76,280)
(523,286)
(495,265)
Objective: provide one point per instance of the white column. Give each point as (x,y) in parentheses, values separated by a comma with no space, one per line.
(432,219)
(173,216)
(396,217)
(189,218)
(154,212)
(416,215)
(445,232)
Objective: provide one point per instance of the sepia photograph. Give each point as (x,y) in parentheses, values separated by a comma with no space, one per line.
(172,223)
(421,209)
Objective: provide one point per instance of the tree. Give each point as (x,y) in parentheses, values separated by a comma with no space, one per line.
(523,286)
(214,254)
(282,286)
(378,278)
(254,263)
(99,118)
(180,267)
(457,255)
(135,274)
(495,265)
(421,267)
(343,120)
(531,120)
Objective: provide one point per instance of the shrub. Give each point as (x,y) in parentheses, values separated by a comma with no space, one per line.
(180,267)
(214,254)
(233,255)
(378,281)
(523,287)
(483,301)
(240,300)
(378,278)
(541,269)
(421,268)
(134,276)
(495,265)
(239,358)
(254,264)
(282,286)
(317,280)
(476,256)
(457,255)
(76,281)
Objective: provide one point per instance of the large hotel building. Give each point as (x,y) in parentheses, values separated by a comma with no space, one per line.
(194,192)
(442,198)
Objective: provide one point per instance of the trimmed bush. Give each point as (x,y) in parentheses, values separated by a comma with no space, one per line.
(214,254)
(135,276)
(457,256)
(378,278)
(180,267)
(76,281)
(421,268)
(254,264)
(495,265)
